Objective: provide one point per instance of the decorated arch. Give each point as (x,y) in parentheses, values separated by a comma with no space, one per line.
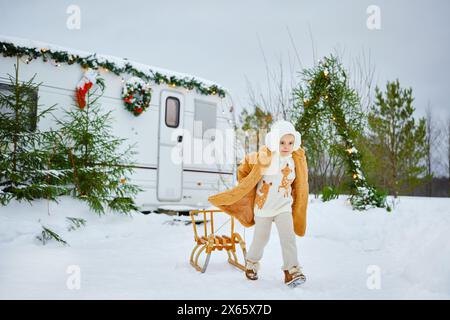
(324,93)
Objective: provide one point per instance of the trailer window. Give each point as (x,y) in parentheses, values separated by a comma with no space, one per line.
(172,112)
(7,90)
(205,115)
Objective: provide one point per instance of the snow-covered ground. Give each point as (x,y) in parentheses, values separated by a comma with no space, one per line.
(147,257)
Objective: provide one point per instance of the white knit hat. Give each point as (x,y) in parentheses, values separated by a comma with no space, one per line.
(277,131)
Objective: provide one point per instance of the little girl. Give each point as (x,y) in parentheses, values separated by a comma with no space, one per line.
(273,187)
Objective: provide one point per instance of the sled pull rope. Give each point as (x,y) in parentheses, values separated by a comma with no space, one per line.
(223,225)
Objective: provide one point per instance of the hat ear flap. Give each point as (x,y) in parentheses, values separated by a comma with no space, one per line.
(271,142)
(297,141)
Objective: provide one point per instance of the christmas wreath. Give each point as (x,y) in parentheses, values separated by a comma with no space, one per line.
(136,95)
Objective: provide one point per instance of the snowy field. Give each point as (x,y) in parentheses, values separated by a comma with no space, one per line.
(147,257)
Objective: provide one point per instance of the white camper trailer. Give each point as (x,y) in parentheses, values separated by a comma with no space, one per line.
(157,133)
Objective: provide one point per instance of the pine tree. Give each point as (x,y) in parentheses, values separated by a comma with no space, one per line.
(98,161)
(399,142)
(25,173)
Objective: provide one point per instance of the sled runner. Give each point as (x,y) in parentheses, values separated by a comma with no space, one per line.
(210,241)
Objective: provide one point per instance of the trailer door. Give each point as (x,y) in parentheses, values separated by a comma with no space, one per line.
(170,170)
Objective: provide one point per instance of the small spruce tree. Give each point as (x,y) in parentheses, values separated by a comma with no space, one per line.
(98,162)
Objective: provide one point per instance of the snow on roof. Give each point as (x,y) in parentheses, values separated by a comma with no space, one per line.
(120,62)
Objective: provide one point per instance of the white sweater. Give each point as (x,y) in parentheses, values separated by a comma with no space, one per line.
(273,192)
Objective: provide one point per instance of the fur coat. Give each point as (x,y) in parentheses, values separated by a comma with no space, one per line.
(239,201)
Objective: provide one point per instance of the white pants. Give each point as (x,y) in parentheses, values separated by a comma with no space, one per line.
(285,226)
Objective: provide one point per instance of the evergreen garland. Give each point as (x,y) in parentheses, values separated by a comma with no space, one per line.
(326,92)
(11,50)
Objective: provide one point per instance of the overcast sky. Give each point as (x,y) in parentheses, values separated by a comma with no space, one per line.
(223,40)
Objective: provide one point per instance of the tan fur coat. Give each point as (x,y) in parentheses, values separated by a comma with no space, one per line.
(239,201)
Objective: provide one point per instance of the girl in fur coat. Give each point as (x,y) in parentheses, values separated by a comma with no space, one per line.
(272,187)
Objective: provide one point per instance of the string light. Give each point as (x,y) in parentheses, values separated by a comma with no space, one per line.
(317,90)
(27,60)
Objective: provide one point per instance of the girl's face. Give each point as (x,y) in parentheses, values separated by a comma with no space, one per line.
(286,144)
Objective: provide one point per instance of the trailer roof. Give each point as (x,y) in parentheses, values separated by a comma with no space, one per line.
(120,62)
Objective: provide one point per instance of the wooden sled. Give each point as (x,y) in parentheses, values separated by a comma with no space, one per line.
(210,241)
